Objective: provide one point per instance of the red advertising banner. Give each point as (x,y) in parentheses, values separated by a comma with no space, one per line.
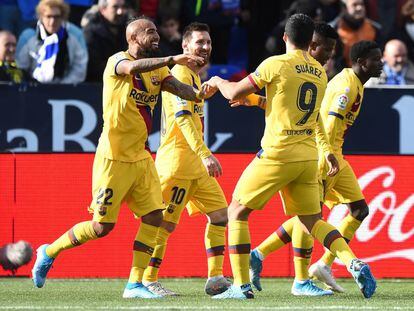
(43,195)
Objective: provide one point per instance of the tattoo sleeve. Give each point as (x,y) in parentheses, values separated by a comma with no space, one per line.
(148,64)
(182,90)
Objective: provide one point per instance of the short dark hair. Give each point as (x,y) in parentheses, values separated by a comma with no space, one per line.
(362,49)
(299,28)
(137,18)
(325,30)
(195,26)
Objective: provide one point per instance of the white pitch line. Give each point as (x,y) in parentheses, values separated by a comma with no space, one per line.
(339,307)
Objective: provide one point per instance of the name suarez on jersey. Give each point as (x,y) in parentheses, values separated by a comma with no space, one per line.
(142,97)
(308,69)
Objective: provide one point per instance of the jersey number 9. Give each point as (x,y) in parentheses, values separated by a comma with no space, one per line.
(306,100)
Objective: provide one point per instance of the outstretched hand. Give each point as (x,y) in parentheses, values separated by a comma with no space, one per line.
(186,59)
(207,90)
(240,102)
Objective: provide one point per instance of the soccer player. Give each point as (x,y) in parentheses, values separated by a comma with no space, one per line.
(321,48)
(123,169)
(340,108)
(187,169)
(288,159)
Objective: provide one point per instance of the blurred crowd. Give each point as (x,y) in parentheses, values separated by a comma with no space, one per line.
(69,41)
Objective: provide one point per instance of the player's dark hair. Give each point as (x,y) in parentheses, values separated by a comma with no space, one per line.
(299,28)
(362,49)
(133,19)
(325,30)
(195,26)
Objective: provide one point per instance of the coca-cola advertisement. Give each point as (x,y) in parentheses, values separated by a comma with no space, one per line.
(43,195)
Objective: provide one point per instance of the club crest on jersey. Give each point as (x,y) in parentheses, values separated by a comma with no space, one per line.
(342,101)
(170,208)
(155,80)
(102,210)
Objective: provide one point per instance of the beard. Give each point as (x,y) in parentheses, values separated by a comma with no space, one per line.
(150,52)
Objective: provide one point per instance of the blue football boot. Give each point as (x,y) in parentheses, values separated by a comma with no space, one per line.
(42,266)
(138,290)
(308,288)
(256,267)
(363,277)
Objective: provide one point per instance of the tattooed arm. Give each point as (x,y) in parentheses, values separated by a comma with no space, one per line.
(185,91)
(127,67)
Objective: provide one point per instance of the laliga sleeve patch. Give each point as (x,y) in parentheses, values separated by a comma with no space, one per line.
(257,73)
(180,102)
(342,101)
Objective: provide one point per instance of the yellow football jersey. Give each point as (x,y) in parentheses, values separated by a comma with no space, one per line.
(175,156)
(342,102)
(128,102)
(295,85)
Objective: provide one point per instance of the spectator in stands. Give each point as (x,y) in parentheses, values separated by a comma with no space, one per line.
(406,33)
(220,15)
(16,15)
(274,43)
(105,35)
(353,26)
(56,51)
(330,9)
(398,70)
(77,9)
(8,68)
(170,36)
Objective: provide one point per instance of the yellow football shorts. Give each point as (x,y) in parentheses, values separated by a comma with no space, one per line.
(114,182)
(296,182)
(342,188)
(200,195)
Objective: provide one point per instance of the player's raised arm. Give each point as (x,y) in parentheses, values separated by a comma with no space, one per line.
(250,101)
(182,90)
(147,64)
(232,90)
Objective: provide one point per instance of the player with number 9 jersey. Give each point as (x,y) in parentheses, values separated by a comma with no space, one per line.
(295,85)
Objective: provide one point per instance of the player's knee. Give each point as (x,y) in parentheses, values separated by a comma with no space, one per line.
(218,218)
(169,226)
(154,218)
(359,210)
(237,211)
(102,229)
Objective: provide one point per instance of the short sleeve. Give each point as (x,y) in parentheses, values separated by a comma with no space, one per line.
(264,74)
(113,62)
(342,99)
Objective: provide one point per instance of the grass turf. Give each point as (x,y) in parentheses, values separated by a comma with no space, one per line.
(106,294)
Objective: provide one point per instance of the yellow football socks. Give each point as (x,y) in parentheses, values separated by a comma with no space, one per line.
(348,227)
(331,238)
(302,244)
(144,244)
(277,239)
(214,240)
(239,249)
(151,272)
(79,234)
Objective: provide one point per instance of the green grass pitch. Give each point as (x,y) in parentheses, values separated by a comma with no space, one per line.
(105,294)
